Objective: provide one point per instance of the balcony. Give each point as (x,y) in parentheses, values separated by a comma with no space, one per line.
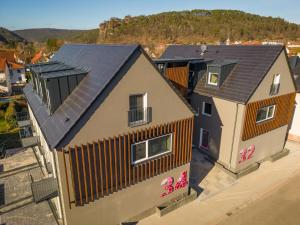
(27,138)
(23,119)
(43,187)
(137,117)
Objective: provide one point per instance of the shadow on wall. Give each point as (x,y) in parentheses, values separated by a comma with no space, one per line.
(2,195)
(202,158)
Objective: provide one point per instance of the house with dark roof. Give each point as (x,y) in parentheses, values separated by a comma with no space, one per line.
(244,97)
(294,132)
(113,135)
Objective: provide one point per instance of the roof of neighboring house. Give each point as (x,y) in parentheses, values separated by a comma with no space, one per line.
(252,64)
(2,64)
(37,57)
(295,67)
(15,65)
(106,65)
(8,54)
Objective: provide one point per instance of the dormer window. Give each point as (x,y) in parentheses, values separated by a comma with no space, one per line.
(275,85)
(213,79)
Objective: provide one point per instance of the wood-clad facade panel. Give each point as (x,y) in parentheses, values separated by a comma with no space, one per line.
(103,167)
(283,113)
(179,77)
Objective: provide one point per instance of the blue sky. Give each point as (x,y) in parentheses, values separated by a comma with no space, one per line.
(76,14)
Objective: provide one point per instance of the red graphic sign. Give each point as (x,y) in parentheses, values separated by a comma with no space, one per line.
(168,184)
(247,153)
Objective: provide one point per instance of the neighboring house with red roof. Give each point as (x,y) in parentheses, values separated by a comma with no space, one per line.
(12,74)
(39,57)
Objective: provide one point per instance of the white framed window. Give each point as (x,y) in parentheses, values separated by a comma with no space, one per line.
(213,79)
(275,85)
(151,148)
(206,109)
(265,113)
(204,138)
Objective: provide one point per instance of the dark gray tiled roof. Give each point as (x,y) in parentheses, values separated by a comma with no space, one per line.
(103,63)
(56,69)
(252,64)
(295,66)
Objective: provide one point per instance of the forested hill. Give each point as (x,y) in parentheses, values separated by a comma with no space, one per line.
(196,26)
(7,36)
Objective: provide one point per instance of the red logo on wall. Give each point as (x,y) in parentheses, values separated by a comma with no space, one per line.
(247,153)
(168,184)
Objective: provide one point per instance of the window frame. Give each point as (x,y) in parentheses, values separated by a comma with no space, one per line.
(203,109)
(267,117)
(209,77)
(201,139)
(145,105)
(147,149)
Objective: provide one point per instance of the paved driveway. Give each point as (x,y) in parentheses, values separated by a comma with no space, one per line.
(222,201)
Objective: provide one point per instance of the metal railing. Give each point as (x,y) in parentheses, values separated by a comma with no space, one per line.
(274,89)
(139,116)
(21,116)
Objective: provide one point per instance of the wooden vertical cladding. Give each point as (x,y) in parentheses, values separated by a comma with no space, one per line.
(284,106)
(178,75)
(105,166)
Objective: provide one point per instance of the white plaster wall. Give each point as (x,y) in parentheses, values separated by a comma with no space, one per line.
(49,155)
(295,128)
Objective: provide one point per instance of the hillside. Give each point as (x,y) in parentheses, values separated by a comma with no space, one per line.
(196,26)
(7,36)
(42,34)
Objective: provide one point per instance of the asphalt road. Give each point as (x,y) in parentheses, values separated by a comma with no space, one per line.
(279,207)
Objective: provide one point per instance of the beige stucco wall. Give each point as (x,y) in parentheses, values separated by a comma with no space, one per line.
(221,126)
(266,145)
(122,205)
(286,82)
(111,118)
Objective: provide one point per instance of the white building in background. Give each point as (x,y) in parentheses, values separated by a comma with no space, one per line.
(294,133)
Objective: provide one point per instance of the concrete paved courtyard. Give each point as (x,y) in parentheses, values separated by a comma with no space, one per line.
(279,207)
(222,197)
(16,202)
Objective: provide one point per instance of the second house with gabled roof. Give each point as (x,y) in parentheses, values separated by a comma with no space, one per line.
(114,135)
(244,96)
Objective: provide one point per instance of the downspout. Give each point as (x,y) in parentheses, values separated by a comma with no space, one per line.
(233,136)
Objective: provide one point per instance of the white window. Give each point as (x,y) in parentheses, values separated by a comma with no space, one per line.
(204,138)
(151,148)
(265,113)
(137,109)
(206,109)
(275,85)
(276,79)
(213,79)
